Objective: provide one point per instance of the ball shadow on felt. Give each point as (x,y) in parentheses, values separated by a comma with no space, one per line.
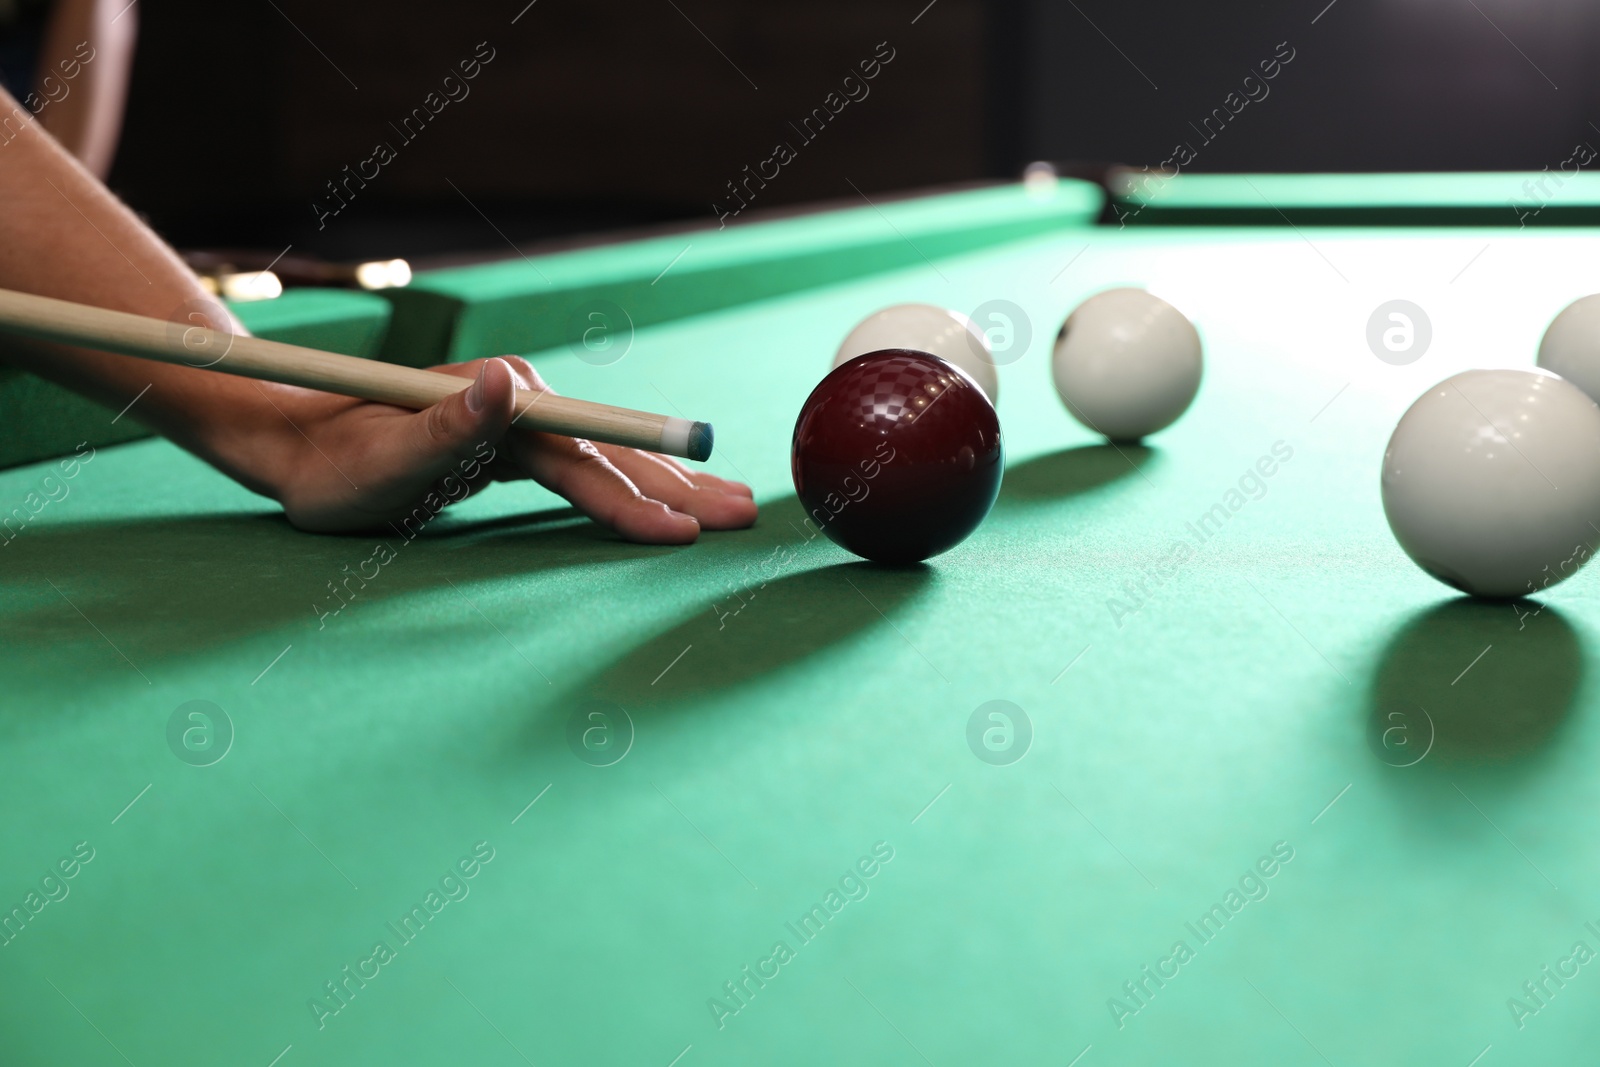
(747,632)
(1473,683)
(1072,471)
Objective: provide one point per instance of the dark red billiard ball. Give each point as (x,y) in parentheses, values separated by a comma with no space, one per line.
(897,456)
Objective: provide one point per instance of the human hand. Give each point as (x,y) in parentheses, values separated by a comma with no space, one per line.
(350,465)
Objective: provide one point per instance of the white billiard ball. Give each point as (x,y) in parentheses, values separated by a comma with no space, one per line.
(1492,478)
(1127,363)
(937,331)
(1571,345)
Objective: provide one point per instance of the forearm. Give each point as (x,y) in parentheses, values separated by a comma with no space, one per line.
(63,235)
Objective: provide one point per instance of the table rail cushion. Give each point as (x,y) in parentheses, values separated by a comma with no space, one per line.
(530,304)
(1554,197)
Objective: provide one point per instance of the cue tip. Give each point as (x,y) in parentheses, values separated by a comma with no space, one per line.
(687,438)
(700,439)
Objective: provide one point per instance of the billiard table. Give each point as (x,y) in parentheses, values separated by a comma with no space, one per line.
(524,793)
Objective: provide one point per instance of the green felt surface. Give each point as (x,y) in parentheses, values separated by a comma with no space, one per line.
(606,293)
(39,419)
(1563,195)
(792,708)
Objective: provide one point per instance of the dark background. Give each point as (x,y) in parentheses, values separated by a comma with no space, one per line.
(601,114)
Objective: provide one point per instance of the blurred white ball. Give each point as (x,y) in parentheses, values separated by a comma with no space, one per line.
(1492,479)
(1127,363)
(1571,345)
(937,331)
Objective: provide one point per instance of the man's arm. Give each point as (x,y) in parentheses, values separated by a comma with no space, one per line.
(334,463)
(63,234)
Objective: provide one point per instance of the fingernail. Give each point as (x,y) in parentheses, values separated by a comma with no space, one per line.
(475,390)
(681,515)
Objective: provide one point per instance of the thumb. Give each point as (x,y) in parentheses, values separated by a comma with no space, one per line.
(436,441)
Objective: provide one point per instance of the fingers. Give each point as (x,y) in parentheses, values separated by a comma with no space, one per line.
(642,496)
(529,379)
(701,478)
(727,485)
(482,409)
(526,376)
(437,441)
(575,469)
(716,503)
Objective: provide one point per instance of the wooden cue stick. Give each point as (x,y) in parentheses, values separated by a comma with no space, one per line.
(48,319)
